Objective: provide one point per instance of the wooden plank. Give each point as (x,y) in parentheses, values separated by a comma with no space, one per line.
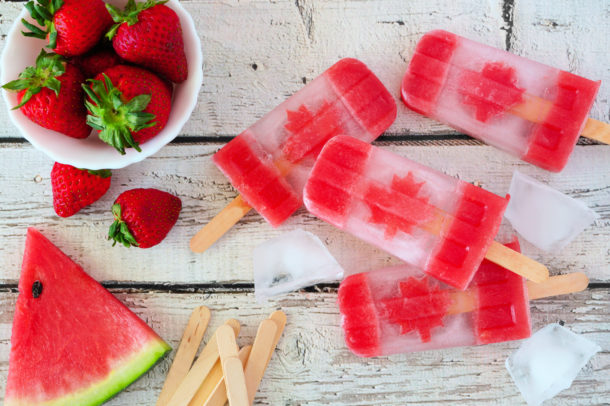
(187,170)
(569,35)
(257,53)
(312,365)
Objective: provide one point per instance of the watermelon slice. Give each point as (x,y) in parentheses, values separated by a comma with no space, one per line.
(73,342)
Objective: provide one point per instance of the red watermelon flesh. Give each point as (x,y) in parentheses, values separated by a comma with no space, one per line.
(73,342)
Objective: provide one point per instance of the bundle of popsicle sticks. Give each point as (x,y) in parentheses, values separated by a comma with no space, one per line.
(222,371)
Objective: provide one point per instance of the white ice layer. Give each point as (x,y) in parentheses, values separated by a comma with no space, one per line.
(292,261)
(548,361)
(544,216)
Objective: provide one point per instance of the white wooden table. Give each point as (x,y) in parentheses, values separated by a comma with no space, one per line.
(257,53)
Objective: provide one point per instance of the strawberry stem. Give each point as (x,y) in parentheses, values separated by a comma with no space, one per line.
(115,119)
(129,15)
(48,68)
(119,232)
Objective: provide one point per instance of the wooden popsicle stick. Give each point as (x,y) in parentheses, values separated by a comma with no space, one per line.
(280,319)
(232,368)
(219,225)
(597,130)
(201,368)
(219,396)
(191,338)
(516,262)
(261,352)
(213,391)
(466,301)
(208,386)
(558,285)
(535,109)
(462,302)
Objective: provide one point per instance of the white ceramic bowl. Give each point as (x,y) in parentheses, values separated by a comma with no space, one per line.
(91,152)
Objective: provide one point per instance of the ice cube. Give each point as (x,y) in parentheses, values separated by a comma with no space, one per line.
(292,261)
(544,216)
(548,361)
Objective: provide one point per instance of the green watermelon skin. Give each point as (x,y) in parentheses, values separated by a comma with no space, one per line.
(74,344)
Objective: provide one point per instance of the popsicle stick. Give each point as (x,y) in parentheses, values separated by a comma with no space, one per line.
(280,319)
(220,224)
(232,368)
(191,338)
(218,396)
(558,285)
(213,391)
(516,262)
(534,109)
(464,302)
(597,130)
(201,368)
(261,352)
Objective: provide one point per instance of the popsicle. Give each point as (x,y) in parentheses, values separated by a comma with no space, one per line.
(269,162)
(433,221)
(400,309)
(528,109)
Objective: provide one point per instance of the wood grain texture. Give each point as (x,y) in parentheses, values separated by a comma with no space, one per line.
(256,54)
(187,171)
(312,366)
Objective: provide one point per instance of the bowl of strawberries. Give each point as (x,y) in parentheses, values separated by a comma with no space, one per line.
(101,85)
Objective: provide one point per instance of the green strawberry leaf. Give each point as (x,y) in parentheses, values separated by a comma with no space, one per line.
(17,84)
(34,31)
(49,67)
(114,118)
(31,8)
(119,232)
(102,173)
(129,14)
(43,12)
(52,36)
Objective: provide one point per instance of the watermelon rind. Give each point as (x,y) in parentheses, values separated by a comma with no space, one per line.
(126,372)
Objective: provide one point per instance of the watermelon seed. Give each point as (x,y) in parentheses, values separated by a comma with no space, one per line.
(36,289)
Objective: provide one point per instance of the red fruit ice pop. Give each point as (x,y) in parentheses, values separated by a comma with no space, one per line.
(400,309)
(269,162)
(433,221)
(528,109)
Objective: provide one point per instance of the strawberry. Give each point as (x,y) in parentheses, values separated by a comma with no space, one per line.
(72,27)
(149,34)
(143,217)
(96,61)
(128,106)
(75,188)
(50,95)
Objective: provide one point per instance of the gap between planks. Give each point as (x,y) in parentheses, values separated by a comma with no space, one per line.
(386,138)
(221,288)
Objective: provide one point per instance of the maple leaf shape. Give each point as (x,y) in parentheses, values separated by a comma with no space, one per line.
(385,204)
(492,91)
(420,307)
(309,130)
(408,186)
